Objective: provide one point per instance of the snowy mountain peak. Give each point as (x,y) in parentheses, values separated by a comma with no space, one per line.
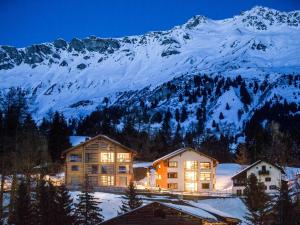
(195,21)
(262,18)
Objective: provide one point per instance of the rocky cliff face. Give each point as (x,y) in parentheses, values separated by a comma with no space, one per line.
(262,45)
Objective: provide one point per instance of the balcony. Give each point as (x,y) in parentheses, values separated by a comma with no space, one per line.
(264,172)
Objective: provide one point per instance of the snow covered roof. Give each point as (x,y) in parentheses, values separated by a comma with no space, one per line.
(103,137)
(190,210)
(254,164)
(179,151)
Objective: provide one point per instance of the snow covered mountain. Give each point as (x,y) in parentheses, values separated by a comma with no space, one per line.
(261,45)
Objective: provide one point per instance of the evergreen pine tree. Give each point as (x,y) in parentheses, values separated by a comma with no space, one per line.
(23,213)
(132,201)
(221,116)
(58,136)
(87,211)
(284,209)
(245,96)
(257,202)
(64,203)
(184,114)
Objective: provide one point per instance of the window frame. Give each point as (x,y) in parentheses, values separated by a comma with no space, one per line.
(172,173)
(173,162)
(75,166)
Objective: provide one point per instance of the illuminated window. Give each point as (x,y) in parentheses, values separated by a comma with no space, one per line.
(173,164)
(205,165)
(190,186)
(191,165)
(173,186)
(190,175)
(107,180)
(159,176)
(123,157)
(205,176)
(107,157)
(172,175)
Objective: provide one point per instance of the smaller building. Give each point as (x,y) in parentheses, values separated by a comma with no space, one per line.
(166,214)
(186,170)
(269,174)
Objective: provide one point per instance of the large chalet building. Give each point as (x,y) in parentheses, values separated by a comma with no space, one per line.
(267,173)
(186,170)
(104,161)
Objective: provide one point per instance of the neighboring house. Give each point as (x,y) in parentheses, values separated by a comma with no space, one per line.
(269,174)
(186,170)
(104,161)
(166,213)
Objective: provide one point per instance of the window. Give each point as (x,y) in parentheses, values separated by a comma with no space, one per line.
(75,168)
(123,157)
(172,175)
(205,176)
(93,181)
(173,186)
(273,187)
(91,157)
(190,186)
(268,179)
(75,158)
(122,169)
(107,169)
(190,175)
(75,181)
(205,186)
(107,157)
(107,180)
(205,165)
(92,169)
(103,145)
(173,164)
(191,165)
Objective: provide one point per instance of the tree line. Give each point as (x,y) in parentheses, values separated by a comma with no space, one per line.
(46,204)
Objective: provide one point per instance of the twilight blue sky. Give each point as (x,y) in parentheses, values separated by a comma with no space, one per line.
(25,22)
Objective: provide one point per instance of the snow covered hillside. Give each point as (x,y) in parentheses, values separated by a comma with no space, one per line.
(76,77)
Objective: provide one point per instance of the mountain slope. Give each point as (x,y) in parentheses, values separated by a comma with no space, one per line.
(75,77)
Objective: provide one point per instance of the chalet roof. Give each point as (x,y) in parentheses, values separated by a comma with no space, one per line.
(179,151)
(189,210)
(254,164)
(96,137)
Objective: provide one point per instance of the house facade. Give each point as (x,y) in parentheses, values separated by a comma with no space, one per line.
(269,174)
(186,170)
(104,161)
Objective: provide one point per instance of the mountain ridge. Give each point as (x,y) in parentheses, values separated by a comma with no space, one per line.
(76,77)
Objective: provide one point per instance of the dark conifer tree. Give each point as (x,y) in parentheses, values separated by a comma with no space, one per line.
(87,211)
(284,210)
(23,213)
(132,201)
(64,207)
(245,96)
(221,116)
(184,114)
(58,136)
(257,202)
